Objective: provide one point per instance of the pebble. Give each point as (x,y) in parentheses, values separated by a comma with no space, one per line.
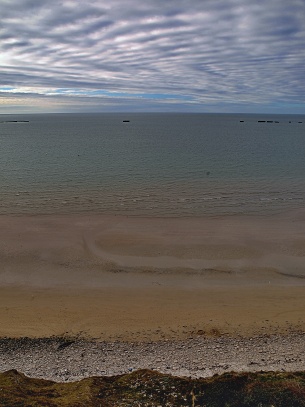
(70,360)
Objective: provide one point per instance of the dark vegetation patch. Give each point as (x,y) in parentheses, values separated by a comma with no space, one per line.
(149,388)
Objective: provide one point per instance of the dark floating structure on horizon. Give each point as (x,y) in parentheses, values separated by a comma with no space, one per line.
(268,121)
(14,121)
(126,121)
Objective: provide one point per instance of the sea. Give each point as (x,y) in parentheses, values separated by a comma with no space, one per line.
(152,164)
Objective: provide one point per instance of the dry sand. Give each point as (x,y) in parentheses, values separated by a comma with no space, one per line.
(129,278)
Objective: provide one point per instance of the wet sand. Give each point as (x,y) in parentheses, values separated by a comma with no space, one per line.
(129,278)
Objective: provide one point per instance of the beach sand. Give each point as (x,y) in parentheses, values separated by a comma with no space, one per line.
(130,278)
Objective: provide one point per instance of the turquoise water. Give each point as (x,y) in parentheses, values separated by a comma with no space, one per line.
(154,165)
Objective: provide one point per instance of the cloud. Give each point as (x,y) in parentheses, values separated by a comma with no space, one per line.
(157,54)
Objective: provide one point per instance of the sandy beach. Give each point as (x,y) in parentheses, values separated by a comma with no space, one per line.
(84,295)
(129,278)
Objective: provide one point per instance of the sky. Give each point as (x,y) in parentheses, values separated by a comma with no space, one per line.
(243,56)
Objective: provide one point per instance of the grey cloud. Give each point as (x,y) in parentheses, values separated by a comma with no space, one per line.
(209,52)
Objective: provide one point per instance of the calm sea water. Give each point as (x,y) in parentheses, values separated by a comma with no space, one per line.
(155,165)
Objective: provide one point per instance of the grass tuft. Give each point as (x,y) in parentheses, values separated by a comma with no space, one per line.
(147,388)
